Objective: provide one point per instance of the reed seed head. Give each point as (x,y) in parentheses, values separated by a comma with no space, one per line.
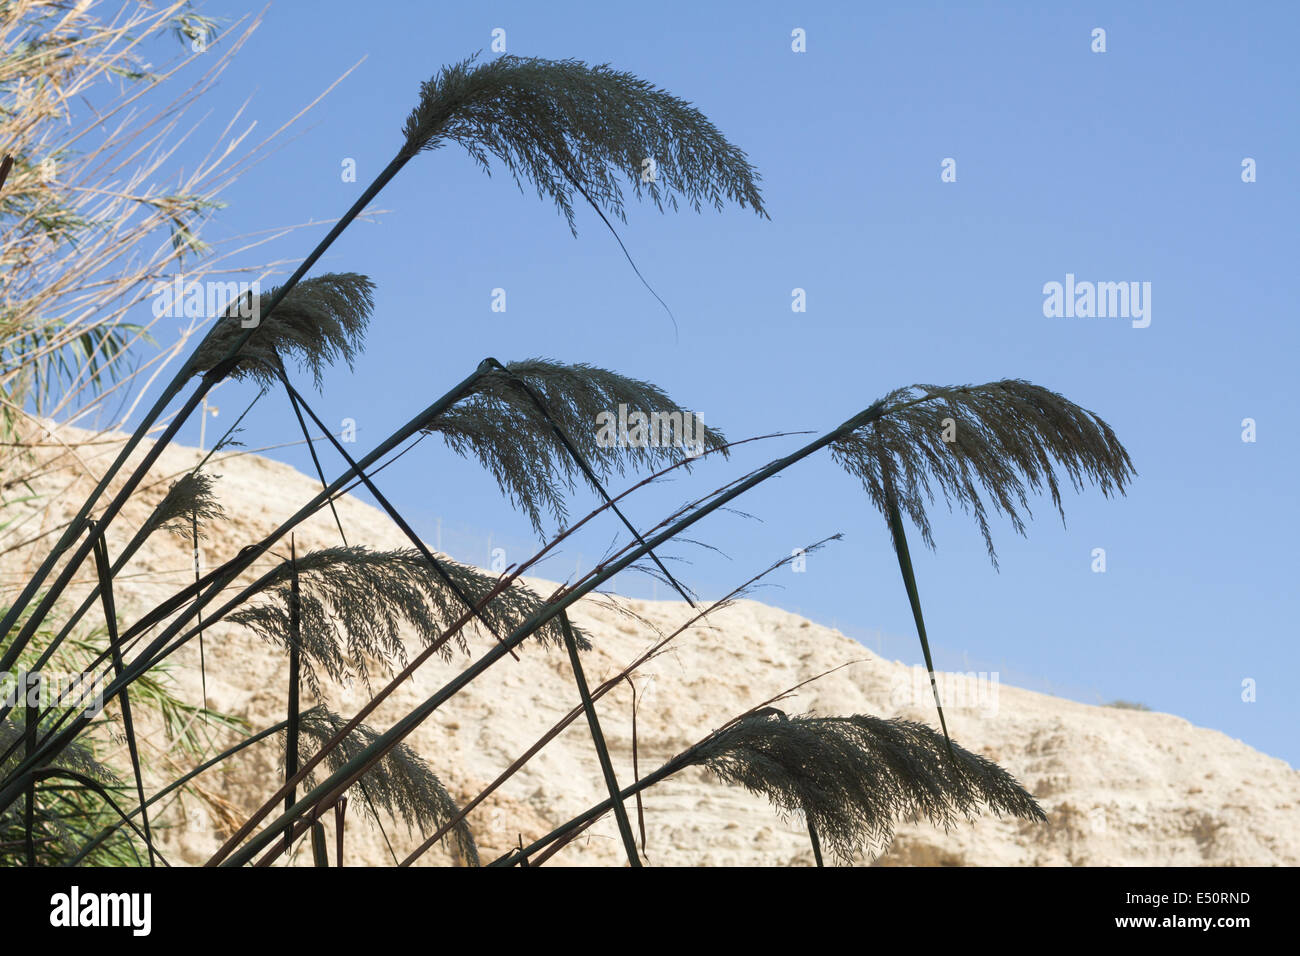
(855,776)
(1002,440)
(572,129)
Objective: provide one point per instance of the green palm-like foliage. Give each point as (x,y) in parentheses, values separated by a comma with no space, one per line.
(1009,439)
(318,322)
(401,782)
(501,426)
(569,128)
(853,777)
(354,602)
(78,757)
(66,812)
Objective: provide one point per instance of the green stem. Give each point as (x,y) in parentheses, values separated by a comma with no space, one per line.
(29,816)
(319,849)
(295,669)
(598,739)
(816,843)
(909,582)
(128,725)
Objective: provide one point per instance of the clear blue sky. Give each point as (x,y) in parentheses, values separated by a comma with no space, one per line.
(1115,166)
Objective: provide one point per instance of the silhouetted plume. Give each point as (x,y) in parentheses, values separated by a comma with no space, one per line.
(401,782)
(568,128)
(855,776)
(189,497)
(354,602)
(500,425)
(1008,439)
(320,321)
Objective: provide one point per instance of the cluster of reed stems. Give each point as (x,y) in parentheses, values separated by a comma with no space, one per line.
(97,207)
(578,134)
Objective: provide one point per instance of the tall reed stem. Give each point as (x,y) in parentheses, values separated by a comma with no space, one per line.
(300,403)
(598,739)
(128,725)
(816,843)
(295,669)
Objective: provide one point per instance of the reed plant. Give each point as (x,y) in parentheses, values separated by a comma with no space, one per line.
(97,207)
(575,134)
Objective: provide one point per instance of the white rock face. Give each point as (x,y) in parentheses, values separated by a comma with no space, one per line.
(1121,787)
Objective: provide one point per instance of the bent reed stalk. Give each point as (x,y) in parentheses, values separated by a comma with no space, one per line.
(572,131)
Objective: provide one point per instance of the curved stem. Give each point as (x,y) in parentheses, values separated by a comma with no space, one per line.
(173,388)
(229,572)
(324,794)
(173,787)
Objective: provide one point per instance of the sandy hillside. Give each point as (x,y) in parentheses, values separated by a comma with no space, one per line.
(1120,787)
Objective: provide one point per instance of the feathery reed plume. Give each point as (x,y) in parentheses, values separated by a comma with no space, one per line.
(230,856)
(501,426)
(401,782)
(512,93)
(353,602)
(609,684)
(1007,438)
(518,636)
(854,776)
(568,127)
(319,321)
(850,777)
(188,503)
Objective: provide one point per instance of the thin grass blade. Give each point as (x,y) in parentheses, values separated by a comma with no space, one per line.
(914,597)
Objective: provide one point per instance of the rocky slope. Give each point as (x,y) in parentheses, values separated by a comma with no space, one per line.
(1121,787)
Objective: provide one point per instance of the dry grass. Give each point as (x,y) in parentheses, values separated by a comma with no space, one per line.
(98,208)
